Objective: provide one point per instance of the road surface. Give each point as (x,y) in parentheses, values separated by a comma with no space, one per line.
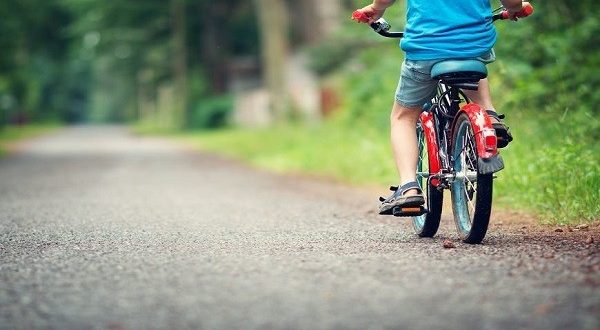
(100,229)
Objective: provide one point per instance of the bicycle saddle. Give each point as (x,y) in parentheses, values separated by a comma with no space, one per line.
(459,71)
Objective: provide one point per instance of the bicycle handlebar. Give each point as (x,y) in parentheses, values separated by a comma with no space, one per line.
(383,28)
(380,26)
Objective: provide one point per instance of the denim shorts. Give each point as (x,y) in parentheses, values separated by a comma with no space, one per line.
(416,87)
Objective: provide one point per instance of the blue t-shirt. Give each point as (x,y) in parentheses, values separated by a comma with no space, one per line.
(446,29)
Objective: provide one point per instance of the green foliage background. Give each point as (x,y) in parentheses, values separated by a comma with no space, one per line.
(79,60)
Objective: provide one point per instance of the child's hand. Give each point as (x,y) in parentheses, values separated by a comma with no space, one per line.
(368,14)
(515,11)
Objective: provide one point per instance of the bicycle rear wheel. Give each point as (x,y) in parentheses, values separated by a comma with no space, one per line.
(471,191)
(426,225)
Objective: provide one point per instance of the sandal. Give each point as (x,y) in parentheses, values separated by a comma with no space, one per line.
(398,198)
(502,131)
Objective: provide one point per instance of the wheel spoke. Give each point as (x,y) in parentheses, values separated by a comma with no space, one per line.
(464,155)
(470,202)
(471,157)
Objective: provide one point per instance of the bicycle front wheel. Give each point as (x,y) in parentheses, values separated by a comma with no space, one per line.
(426,225)
(471,191)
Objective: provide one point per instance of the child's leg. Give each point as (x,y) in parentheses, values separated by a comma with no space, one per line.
(414,89)
(482,95)
(404,142)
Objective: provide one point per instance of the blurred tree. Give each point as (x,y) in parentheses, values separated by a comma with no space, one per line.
(129,44)
(314,20)
(214,42)
(154,57)
(180,67)
(273,18)
(33,60)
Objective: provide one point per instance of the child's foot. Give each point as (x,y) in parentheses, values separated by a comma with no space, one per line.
(502,131)
(408,195)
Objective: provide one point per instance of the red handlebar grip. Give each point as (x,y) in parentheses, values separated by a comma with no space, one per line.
(525,11)
(361,17)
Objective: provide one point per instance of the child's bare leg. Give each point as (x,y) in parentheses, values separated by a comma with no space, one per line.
(482,95)
(404,142)
(483,98)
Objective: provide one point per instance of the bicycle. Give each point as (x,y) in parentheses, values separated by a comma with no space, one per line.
(457,147)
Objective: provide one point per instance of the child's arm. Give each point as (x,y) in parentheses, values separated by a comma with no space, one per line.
(382,4)
(375,10)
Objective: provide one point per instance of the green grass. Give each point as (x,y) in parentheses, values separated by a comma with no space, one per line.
(12,134)
(352,155)
(551,169)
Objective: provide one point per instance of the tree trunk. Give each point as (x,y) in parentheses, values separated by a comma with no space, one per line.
(316,19)
(178,25)
(329,13)
(213,43)
(273,20)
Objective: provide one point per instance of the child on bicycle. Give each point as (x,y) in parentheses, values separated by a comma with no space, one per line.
(435,30)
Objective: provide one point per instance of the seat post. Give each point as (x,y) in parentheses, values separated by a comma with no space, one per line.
(454,99)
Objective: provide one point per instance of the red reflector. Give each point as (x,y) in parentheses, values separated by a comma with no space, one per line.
(490,142)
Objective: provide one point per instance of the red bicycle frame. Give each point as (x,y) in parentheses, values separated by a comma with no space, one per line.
(428,125)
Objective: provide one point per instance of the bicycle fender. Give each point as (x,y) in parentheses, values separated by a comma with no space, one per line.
(485,135)
(428,125)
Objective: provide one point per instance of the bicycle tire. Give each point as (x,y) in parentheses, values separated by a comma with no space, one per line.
(427,225)
(471,191)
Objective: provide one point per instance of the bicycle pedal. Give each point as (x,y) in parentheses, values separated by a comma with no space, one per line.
(409,211)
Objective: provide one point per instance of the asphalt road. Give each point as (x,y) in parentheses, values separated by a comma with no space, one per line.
(100,229)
